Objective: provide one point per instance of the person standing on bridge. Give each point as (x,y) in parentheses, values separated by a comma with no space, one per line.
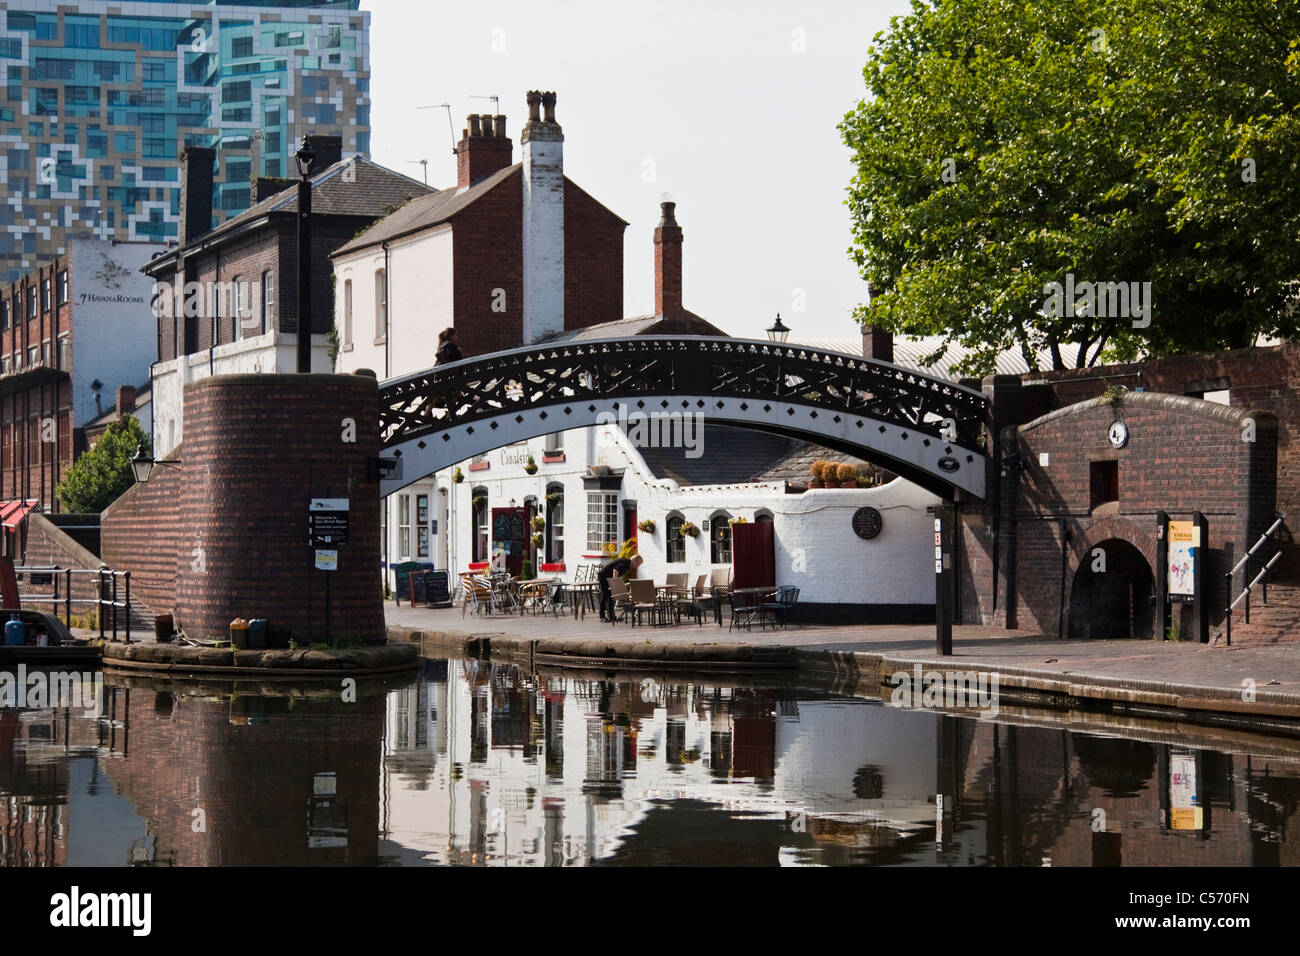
(448,350)
(619,566)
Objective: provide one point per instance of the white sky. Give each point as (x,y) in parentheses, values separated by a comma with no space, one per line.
(739,127)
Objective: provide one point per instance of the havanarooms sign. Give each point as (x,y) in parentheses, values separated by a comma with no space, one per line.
(119,299)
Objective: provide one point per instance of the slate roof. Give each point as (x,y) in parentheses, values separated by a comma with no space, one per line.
(910,352)
(795,467)
(374,189)
(730,455)
(426,212)
(687,324)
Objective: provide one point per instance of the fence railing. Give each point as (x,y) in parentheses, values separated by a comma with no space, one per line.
(1260,580)
(108,602)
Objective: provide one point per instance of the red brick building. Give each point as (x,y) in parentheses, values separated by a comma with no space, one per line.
(71,333)
(229,295)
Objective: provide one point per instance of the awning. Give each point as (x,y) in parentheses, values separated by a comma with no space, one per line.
(12,513)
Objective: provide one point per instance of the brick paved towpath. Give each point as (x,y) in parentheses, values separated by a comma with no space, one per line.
(1210,680)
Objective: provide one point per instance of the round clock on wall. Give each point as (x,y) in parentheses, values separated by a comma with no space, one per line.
(1118,434)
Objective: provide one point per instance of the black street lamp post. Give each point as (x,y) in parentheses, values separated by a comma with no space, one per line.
(778,332)
(304,156)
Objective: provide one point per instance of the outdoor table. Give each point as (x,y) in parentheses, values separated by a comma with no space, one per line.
(584,595)
(750,605)
(528,591)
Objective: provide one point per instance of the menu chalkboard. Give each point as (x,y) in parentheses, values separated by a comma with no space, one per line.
(418,588)
(437,587)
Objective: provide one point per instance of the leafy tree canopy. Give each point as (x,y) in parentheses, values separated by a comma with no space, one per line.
(1007,144)
(102,473)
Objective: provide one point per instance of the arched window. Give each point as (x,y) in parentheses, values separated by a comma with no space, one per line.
(674,540)
(720,538)
(763,516)
(554,524)
(479,512)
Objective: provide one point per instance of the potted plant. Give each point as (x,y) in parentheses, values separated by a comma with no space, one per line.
(537,539)
(457,476)
(531,466)
(818,474)
(738,520)
(538,522)
(847,475)
(647,526)
(526,570)
(690,529)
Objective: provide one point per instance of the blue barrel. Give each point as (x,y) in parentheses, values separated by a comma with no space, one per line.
(15,632)
(257,633)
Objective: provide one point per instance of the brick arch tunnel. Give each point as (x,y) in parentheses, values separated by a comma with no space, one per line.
(1112,592)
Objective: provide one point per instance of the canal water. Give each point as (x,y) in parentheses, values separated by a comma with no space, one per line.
(486,764)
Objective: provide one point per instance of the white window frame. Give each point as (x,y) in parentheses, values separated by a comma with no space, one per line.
(602,518)
(381,306)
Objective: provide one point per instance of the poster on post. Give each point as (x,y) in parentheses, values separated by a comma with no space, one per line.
(1184,542)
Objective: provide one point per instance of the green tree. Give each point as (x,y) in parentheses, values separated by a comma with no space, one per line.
(102,473)
(1007,143)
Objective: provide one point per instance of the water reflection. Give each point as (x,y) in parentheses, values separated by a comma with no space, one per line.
(475,763)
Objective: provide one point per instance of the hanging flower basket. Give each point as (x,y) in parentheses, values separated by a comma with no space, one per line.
(554,498)
(647,526)
(538,523)
(690,529)
(537,540)
(531,466)
(479,500)
(457,476)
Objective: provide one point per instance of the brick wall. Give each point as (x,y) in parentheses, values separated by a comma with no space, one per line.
(48,546)
(593,260)
(140,532)
(488,253)
(252,530)
(1182,456)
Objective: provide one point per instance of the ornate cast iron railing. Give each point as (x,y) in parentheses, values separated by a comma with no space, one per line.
(480,388)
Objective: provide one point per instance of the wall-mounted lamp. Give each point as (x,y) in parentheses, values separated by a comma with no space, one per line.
(142,465)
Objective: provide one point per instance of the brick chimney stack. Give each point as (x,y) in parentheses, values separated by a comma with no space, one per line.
(543,167)
(876,343)
(484,148)
(668,263)
(196,192)
(125,400)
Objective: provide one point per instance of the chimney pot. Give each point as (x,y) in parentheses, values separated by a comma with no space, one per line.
(548,104)
(483,150)
(534,99)
(668,214)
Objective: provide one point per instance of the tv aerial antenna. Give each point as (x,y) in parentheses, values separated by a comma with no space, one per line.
(450,126)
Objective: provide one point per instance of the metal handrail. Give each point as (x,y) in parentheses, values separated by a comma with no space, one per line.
(103,575)
(1260,579)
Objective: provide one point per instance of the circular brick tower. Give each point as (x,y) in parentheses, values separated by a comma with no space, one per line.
(257,449)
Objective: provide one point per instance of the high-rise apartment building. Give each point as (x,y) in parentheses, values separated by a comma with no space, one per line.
(99,98)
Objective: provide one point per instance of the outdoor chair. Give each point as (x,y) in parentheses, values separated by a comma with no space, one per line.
(781,609)
(622,599)
(677,582)
(745,610)
(478,595)
(699,601)
(642,592)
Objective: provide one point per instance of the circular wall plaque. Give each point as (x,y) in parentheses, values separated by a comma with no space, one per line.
(867,522)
